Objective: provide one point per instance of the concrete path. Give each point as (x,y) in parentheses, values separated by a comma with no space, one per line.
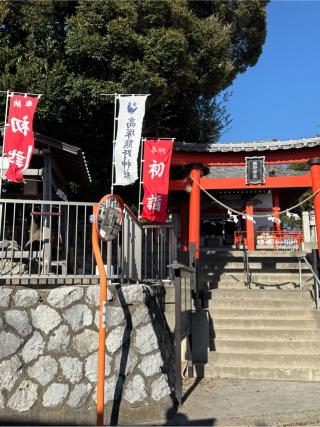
(249,403)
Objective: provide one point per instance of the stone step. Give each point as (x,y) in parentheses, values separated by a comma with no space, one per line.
(266,373)
(249,313)
(256,284)
(261,294)
(266,360)
(275,335)
(287,347)
(226,323)
(294,285)
(265,277)
(260,304)
(254,254)
(275,276)
(268,265)
(226,280)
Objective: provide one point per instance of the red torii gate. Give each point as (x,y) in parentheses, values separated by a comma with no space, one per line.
(196,156)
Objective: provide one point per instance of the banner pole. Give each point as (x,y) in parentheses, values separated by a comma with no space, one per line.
(140,183)
(115,124)
(3,141)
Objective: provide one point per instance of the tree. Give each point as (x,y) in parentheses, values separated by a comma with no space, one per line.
(299,166)
(184,53)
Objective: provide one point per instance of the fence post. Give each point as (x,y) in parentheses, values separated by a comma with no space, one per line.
(177,335)
(174,241)
(181,329)
(300,275)
(193,263)
(315,265)
(47,195)
(137,237)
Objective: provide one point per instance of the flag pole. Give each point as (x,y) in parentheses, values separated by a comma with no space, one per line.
(115,125)
(3,141)
(115,128)
(140,181)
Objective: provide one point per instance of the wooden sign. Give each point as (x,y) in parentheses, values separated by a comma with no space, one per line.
(255,170)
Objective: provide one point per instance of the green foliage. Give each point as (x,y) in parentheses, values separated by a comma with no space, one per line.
(308,205)
(299,166)
(291,223)
(184,53)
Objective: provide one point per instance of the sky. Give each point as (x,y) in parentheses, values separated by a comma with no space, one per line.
(280,96)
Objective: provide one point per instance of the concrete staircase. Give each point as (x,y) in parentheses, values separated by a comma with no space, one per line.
(261,334)
(224,270)
(271,331)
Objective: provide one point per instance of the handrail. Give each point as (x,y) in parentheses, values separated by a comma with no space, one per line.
(158,225)
(246,265)
(245,258)
(46,202)
(132,215)
(316,279)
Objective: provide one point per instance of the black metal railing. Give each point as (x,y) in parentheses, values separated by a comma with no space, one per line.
(313,266)
(183,322)
(246,265)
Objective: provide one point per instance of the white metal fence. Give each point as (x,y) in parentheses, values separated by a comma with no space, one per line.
(50,239)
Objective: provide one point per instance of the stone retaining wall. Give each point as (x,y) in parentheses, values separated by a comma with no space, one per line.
(48,356)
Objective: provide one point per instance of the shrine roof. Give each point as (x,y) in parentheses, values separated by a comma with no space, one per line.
(236,147)
(71,159)
(240,171)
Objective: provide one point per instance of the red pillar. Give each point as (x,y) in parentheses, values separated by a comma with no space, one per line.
(276,209)
(250,227)
(315,178)
(194,211)
(184,226)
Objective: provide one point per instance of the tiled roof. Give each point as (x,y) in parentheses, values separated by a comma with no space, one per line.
(248,146)
(70,158)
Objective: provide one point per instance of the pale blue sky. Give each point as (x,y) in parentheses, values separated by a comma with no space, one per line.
(280,96)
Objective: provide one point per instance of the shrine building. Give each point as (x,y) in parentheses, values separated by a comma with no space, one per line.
(253,178)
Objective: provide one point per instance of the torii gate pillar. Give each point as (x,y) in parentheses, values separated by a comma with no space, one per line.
(276,209)
(194,210)
(250,227)
(315,178)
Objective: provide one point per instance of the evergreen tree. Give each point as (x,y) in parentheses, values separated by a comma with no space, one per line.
(183,53)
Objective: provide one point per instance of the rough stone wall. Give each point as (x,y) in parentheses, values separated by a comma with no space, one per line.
(48,356)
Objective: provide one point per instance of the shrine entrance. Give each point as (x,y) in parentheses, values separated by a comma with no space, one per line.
(252,275)
(251,181)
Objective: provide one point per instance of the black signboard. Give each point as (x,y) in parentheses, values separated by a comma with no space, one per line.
(255,170)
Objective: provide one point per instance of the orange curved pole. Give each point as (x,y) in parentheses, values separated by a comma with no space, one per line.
(102,326)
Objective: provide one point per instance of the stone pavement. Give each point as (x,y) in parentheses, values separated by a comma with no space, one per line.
(237,402)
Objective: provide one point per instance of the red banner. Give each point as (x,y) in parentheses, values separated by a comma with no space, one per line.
(19,139)
(156,168)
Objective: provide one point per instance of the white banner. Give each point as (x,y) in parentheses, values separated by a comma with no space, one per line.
(131,113)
